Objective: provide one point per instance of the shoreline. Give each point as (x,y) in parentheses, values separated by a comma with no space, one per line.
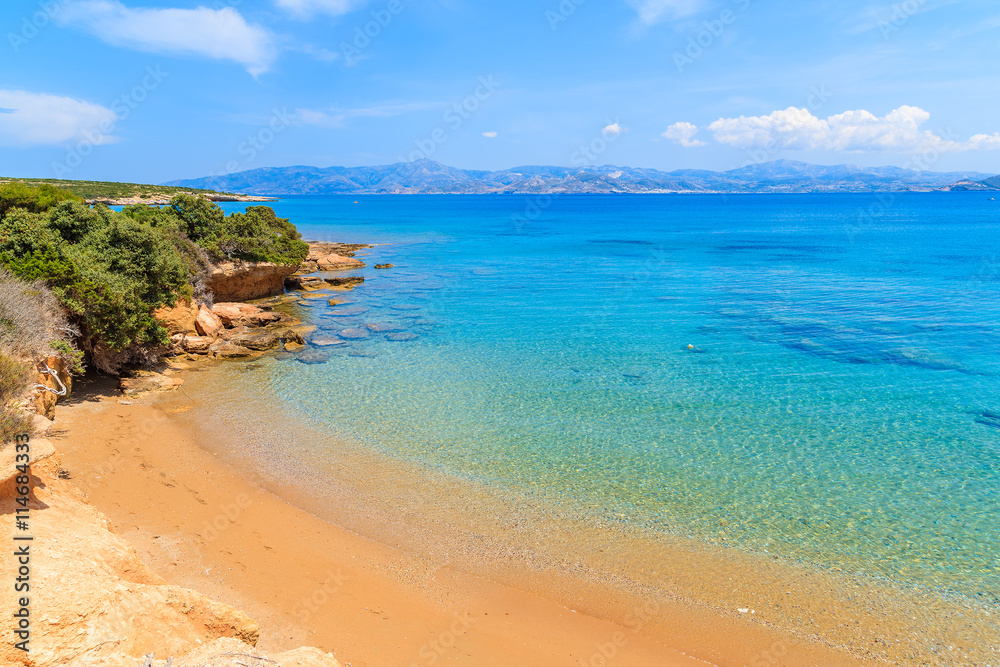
(374,559)
(193,513)
(199,523)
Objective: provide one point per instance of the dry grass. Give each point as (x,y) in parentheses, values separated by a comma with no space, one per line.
(31,318)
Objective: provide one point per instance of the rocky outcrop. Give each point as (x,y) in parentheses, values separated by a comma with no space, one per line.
(344,282)
(245,281)
(235,331)
(253,339)
(50,386)
(177,320)
(304,283)
(233,653)
(93,603)
(92,597)
(236,314)
(142,382)
(207,323)
(338,263)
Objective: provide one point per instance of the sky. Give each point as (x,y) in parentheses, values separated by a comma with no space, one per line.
(163,90)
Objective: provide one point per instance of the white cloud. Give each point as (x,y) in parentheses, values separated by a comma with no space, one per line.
(340,117)
(490,135)
(612,130)
(37,119)
(683,134)
(306,8)
(852,131)
(988,142)
(215,33)
(654,11)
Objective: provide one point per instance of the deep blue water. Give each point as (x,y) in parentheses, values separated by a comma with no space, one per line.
(818,373)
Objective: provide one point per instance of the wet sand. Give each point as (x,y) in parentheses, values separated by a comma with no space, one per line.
(202,522)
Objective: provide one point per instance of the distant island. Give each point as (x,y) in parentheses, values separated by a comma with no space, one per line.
(128,194)
(429,177)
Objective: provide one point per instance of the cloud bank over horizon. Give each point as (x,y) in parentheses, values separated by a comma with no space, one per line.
(856,131)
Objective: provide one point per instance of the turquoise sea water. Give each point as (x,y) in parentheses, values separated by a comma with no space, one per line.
(818,373)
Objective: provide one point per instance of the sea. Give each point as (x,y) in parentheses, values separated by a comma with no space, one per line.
(814,377)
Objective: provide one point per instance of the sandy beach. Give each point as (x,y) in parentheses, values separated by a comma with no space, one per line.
(200,523)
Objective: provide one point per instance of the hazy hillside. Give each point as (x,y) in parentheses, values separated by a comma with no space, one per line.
(429,177)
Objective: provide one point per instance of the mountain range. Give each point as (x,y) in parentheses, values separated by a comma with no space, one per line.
(429,177)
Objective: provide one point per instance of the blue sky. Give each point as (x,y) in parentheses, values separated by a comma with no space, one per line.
(117,90)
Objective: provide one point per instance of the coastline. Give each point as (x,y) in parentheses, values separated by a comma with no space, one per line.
(199,522)
(365,590)
(347,550)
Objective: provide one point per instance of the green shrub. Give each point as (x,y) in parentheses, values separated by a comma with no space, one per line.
(35,200)
(110,270)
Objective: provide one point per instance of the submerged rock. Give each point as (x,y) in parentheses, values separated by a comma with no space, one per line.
(314,355)
(383,327)
(354,333)
(327,341)
(384,266)
(404,336)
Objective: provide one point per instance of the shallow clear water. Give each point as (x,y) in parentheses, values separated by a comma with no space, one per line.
(816,373)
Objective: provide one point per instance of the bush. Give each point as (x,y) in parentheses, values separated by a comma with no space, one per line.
(35,200)
(109,271)
(255,236)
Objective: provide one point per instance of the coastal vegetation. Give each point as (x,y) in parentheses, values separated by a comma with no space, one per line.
(103,190)
(108,271)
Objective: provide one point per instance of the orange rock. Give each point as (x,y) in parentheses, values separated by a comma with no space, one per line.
(44,400)
(232,313)
(337,262)
(197,344)
(207,323)
(91,595)
(179,319)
